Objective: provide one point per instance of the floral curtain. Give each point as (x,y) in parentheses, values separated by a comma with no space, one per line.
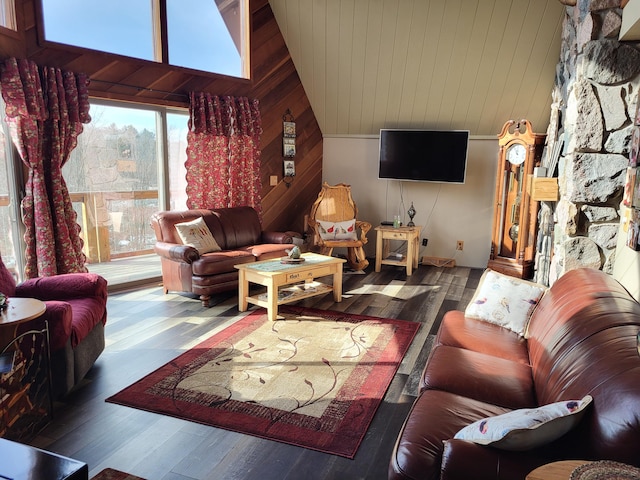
(223,152)
(45,109)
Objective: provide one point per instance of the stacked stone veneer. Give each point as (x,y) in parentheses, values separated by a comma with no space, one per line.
(594,103)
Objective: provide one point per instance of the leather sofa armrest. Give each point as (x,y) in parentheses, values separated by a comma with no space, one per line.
(462,460)
(277,237)
(176,252)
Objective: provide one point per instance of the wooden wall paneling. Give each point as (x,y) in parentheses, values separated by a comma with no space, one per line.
(11,45)
(275,83)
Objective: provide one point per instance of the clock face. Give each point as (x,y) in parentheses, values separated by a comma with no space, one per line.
(516,154)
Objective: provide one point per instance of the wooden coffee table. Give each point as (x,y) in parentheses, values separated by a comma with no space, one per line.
(288,283)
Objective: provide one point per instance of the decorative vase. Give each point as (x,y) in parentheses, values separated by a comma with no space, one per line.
(412,213)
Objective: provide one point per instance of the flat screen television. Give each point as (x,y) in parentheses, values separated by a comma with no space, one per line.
(423,155)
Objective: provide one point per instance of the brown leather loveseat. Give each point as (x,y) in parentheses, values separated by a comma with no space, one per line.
(581,340)
(238,233)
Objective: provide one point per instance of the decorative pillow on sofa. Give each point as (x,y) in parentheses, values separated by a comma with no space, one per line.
(526,428)
(197,234)
(505,301)
(338,230)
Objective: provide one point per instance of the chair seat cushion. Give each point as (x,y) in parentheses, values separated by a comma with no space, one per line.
(472,374)
(266,251)
(457,330)
(216,263)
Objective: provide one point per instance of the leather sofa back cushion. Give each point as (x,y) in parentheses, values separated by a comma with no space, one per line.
(241,226)
(582,340)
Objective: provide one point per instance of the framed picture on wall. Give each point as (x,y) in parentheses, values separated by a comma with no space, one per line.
(289,168)
(289,129)
(289,145)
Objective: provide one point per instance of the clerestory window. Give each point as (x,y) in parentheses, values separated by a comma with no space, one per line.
(8,14)
(205,35)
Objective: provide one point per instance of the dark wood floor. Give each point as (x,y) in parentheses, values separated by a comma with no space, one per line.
(146,329)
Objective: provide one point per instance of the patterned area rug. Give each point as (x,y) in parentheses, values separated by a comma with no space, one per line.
(314,379)
(111,474)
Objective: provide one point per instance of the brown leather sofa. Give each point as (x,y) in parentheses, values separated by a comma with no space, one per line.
(237,231)
(582,340)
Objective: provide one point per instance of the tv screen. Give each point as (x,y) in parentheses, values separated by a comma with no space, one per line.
(423,155)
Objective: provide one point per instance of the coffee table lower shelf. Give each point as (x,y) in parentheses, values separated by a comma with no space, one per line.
(292,293)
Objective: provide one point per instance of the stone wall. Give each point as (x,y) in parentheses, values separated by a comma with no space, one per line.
(594,102)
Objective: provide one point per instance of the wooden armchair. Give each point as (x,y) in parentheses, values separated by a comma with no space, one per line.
(333,220)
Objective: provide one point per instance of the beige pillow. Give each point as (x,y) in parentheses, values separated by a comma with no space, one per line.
(197,234)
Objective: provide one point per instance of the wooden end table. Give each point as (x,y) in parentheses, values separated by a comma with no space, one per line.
(556,470)
(281,279)
(411,235)
(14,389)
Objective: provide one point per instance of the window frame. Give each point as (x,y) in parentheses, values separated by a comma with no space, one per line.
(160,40)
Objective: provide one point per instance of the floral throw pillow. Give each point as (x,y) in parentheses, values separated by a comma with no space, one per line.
(338,230)
(197,234)
(505,301)
(526,428)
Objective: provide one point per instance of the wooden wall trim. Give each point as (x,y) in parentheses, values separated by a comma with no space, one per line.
(275,83)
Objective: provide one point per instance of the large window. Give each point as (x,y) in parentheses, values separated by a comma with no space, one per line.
(123,170)
(205,35)
(115,177)
(10,230)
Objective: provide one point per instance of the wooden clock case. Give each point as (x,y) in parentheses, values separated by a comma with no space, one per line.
(513,237)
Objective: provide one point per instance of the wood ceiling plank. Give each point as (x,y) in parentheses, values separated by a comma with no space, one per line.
(372,14)
(345,65)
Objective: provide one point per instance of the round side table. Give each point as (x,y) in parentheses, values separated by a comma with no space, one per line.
(555,471)
(18,310)
(21,309)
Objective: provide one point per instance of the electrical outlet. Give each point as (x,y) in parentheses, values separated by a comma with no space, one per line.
(425,241)
(460,245)
(273,180)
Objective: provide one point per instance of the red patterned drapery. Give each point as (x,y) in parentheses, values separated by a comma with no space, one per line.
(223,152)
(45,110)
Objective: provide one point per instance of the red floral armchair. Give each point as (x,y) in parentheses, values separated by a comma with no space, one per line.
(76,313)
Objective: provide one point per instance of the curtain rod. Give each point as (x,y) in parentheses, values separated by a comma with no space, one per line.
(140,88)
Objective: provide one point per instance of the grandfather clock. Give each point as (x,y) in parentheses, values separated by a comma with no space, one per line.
(515,214)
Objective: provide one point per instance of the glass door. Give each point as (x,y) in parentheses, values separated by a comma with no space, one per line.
(11,228)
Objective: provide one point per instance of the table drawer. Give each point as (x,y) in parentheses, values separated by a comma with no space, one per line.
(396,235)
(308,275)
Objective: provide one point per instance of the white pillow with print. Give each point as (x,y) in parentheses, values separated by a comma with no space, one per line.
(338,230)
(197,234)
(526,428)
(505,301)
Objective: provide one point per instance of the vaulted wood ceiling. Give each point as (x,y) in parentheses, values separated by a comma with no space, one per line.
(445,64)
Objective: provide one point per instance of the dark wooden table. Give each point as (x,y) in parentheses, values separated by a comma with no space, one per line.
(22,462)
